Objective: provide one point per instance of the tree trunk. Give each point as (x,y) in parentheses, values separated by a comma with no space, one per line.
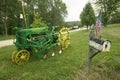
(105,23)
(2,29)
(87,27)
(5,28)
(3,32)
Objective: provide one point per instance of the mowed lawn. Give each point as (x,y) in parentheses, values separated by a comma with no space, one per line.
(71,64)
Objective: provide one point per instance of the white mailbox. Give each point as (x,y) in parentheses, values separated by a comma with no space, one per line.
(100,44)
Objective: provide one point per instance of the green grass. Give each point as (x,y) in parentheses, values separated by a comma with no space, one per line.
(6,37)
(71,64)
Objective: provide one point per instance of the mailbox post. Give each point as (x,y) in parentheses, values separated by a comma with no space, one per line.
(96,45)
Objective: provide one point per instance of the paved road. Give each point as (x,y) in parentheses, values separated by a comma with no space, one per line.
(78,29)
(10,42)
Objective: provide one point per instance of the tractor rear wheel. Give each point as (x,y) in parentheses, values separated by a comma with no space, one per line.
(21,56)
(13,56)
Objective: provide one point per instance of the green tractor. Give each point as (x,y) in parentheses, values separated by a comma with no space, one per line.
(38,41)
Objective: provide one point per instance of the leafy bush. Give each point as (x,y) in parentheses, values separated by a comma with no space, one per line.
(38,22)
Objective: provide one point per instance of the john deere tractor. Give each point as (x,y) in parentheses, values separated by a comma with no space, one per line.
(38,41)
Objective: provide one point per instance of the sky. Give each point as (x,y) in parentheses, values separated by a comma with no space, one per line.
(74,8)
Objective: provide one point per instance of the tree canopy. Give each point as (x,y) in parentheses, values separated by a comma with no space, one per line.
(109,8)
(9,14)
(87,16)
(51,12)
(115,18)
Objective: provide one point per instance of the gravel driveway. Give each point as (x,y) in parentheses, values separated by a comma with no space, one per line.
(6,43)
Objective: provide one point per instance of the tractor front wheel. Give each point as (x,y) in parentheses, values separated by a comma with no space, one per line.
(64,38)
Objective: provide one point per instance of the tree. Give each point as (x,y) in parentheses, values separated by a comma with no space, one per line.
(115,18)
(9,14)
(52,11)
(29,10)
(109,8)
(87,16)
